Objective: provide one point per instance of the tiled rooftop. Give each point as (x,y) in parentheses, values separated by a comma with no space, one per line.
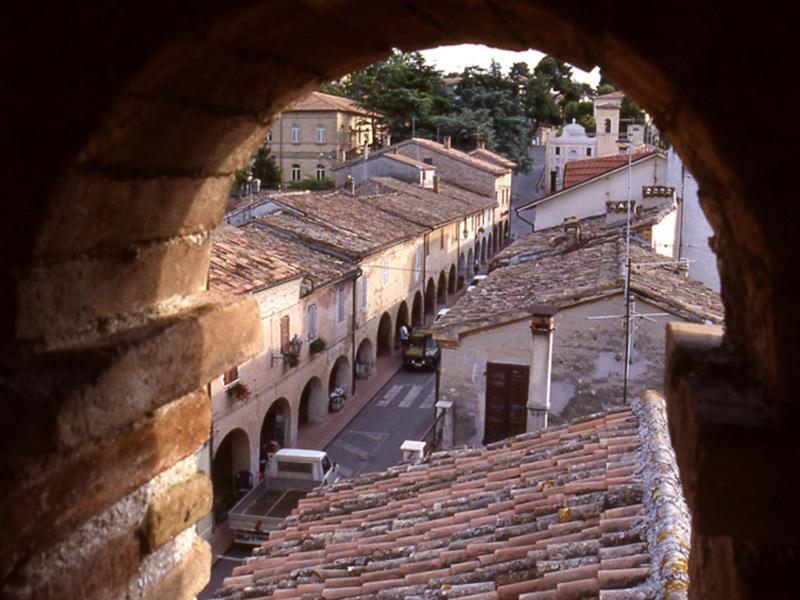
(586,510)
(342,223)
(587,273)
(422,205)
(484,165)
(243,260)
(493,157)
(555,240)
(578,171)
(317,101)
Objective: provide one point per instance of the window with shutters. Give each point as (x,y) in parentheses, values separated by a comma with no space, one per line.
(230,376)
(312,322)
(285,334)
(441,239)
(295,133)
(340,305)
(320,133)
(362,303)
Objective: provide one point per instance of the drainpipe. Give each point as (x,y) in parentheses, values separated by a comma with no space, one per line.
(353,334)
(516,210)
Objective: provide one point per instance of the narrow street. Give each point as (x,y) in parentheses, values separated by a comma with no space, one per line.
(401,410)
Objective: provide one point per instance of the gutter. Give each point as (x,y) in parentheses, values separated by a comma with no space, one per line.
(519,216)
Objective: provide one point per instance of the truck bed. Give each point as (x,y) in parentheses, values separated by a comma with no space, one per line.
(275,503)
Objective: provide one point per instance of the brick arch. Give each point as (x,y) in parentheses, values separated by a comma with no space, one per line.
(130,132)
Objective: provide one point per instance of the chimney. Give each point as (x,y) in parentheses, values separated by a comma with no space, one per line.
(387,140)
(350,184)
(541,366)
(572,232)
(481,145)
(446,141)
(436,183)
(413,451)
(617,211)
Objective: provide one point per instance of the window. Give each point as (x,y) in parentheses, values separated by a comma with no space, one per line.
(295,172)
(320,172)
(385,272)
(295,467)
(285,333)
(269,136)
(312,322)
(230,376)
(588,152)
(441,239)
(362,304)
(418,263)
(607,126)
(428,161)
(320,133)
(295,133)
(340,305)
(558,150)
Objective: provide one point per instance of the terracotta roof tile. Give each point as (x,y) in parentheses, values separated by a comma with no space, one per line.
(578,171)
(243,260)
(585,273)
(493,157)
(588,542)
(318,101)
(456,154)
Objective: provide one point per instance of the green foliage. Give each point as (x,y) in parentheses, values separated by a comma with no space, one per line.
(311,183)
(318,345)
(486,105)
(266,168)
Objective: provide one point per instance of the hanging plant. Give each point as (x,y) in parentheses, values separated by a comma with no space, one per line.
(238,392)
(318,345)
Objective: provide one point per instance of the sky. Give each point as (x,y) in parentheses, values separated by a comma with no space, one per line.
(455,58)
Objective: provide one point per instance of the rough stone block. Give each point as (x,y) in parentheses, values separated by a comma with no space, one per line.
(50,504)
(60,400)
(102,573)
(67,297)
(187,578)
(176,509)
(90,209)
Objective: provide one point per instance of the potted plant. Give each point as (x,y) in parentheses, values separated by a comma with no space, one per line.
(318,345)
(238,391)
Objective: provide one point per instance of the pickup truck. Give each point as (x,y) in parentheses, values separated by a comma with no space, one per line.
(291,473)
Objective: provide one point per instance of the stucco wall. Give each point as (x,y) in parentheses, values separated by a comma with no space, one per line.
(590,199)
(463,374)
(588,358)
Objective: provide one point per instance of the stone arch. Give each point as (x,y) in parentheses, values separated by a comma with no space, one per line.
(495,238)
(441,289)
(400,320)
(313,408)
(470,263)
(276,426)
(416,311)
(365,359)
(340,375)
(490,245)
(483,253)
(232,456)
(452,280)
(430,299)
(385,335)
(158,125)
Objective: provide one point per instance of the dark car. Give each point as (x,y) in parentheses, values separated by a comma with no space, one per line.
(422,351)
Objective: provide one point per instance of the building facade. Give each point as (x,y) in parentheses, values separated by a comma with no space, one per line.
(316,133)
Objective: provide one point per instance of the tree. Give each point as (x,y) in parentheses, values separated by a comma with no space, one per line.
(266,169)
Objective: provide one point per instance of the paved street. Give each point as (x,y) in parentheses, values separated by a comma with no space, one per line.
(526,188)
(401,410)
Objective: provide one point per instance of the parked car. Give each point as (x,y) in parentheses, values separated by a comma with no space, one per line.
(422,351)
(475,281)
(442,312)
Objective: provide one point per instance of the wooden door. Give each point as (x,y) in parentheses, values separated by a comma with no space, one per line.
(506,401)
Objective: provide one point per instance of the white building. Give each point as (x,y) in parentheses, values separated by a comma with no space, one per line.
(572,144)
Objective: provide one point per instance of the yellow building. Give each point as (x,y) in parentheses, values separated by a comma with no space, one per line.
(318,132)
